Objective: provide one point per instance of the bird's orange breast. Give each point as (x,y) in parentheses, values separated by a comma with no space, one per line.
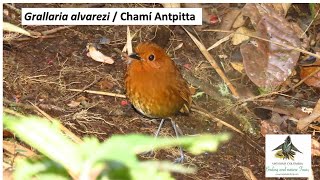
(156,91)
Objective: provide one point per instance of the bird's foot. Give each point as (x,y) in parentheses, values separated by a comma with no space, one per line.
(179,160)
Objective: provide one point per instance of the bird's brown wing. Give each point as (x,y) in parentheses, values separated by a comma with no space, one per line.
(181,86)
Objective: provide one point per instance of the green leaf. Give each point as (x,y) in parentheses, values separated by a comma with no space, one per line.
(116,158)
(46,138)
(29,168)
(136,143)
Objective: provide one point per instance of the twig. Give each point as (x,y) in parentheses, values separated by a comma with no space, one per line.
(213,63)
(217,120)
(129,43)
(263,39)
(219,42)
(9,111)
(44,34)
(310,23)
(98,93)
(83,89)
(39,37)
(54,30)
(304,79)
(63,129)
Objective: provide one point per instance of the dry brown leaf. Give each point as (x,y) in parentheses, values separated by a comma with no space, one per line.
(170,5)
(303,123)
(97,55)
(281,8)
(315,148)
(268,127)
(267,64)
(227,21)
(238,66)
(106,84)
(248,173)
(312,70)
(239,21)
(17,150)
(74,104)
(178,47)
(238,38)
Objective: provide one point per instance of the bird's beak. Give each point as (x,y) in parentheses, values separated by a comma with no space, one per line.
(135,56)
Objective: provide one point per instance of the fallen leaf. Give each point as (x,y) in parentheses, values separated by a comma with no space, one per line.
(74,104)
(238,66)
(81,99)
(7,134)
(17,150)
(248,173)
(178,47)
(97,55)
(106,84)
(269,65)
(227,22)
(170,5)
(281,8)
(238,38)
(268,127)
(312,70)
(315,148)
(303,123)
(239,21)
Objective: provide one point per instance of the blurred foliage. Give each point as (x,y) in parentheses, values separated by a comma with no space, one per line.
(115,158)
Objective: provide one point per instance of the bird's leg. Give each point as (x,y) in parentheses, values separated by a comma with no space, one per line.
(159,128)
(155,137)
(177,130)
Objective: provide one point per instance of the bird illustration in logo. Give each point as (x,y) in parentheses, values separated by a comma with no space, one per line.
(286,150)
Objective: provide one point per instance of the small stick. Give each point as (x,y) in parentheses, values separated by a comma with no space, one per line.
(219,42)
(98,93)
(263,39)
(213,63)
(304,79)
(54,30)
(64,129)
(310,23)
(217,119)
(83,89)
(9,111)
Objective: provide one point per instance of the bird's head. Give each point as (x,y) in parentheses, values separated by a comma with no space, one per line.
(149,56)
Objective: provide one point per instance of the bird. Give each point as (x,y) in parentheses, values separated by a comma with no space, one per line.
(286,149)
(154,85)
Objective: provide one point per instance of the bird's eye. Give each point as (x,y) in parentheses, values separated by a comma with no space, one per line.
(151,57)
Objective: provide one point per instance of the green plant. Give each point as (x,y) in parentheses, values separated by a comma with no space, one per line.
(115,158)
